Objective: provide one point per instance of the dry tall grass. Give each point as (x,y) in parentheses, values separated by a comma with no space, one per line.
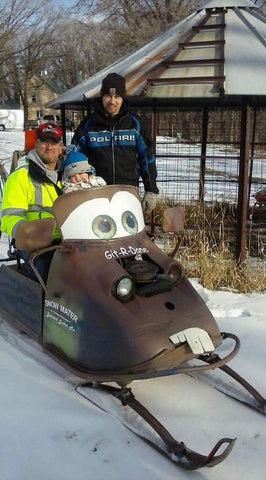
(207,251)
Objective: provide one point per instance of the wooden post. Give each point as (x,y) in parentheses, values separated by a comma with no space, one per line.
(252,152)
(14,162)
(242,204)
(3,174)
(63,117)
(154,127)
(153,139)
(205,121)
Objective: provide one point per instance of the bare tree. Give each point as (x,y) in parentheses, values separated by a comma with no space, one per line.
(78,52)
(15,16)
(28,49)
(134,21)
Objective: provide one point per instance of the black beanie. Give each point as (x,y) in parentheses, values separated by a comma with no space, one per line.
(114,84)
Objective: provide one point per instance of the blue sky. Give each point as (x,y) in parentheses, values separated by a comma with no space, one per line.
(69,3)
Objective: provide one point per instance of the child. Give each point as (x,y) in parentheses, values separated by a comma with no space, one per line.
(78,173)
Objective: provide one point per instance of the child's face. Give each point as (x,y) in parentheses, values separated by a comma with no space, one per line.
(79,177)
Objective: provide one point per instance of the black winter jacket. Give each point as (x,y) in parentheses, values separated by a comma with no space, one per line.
(116,147)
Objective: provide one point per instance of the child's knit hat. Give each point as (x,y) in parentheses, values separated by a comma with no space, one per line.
(76,162)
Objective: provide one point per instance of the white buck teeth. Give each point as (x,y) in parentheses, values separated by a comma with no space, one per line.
(197,338)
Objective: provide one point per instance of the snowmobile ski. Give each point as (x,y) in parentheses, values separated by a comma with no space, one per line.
(151,430)
(240,390)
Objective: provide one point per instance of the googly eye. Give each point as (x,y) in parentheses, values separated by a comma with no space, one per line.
(129,222)
(104,226)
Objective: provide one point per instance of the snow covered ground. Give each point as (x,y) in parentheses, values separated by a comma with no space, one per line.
(10,141)
(179,162)
(50,432)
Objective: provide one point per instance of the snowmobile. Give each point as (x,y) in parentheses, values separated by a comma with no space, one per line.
(115,307)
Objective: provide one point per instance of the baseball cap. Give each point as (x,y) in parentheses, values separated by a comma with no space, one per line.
(49,130)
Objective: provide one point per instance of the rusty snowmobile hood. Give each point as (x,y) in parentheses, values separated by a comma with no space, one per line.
(100,331)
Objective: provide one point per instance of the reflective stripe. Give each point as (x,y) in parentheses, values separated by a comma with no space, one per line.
(39,208)
(48,209)
(38,192)
(35,208)
(14,229)
(21,212)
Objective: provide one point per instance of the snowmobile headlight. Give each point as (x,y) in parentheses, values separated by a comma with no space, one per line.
(175,272)
(123,288)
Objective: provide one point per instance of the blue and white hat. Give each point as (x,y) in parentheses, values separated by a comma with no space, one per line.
(76,162)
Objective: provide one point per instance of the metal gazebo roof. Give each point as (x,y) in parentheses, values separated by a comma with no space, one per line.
(217,52)
(227,4)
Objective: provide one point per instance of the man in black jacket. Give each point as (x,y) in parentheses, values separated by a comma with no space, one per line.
(114,142)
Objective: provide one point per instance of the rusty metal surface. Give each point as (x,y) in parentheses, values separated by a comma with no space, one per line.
(91,327)
(35,234)
(111,335)
(242,205)
(86,322)
(173,219)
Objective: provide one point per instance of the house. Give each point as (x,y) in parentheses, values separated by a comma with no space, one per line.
(40,92)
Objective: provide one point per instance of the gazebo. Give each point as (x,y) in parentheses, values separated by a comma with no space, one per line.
(211,62)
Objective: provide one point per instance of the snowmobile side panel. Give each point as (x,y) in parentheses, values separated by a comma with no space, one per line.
(22,298)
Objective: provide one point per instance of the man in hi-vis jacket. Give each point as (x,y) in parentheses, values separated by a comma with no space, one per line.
(31,190)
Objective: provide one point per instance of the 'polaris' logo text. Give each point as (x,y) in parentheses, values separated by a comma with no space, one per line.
(107,138)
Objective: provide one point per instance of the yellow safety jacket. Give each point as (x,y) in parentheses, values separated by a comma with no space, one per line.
(25,198)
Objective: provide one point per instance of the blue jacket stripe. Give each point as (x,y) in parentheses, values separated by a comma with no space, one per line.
(86,125)
(142,156)
(137,122)
(81,144)
(151,159)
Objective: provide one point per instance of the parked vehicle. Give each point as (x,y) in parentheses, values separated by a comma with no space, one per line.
(11,119)
(52,118)
(57,119)
(34,124)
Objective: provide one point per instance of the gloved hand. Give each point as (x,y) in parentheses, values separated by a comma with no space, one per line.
(149,202)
